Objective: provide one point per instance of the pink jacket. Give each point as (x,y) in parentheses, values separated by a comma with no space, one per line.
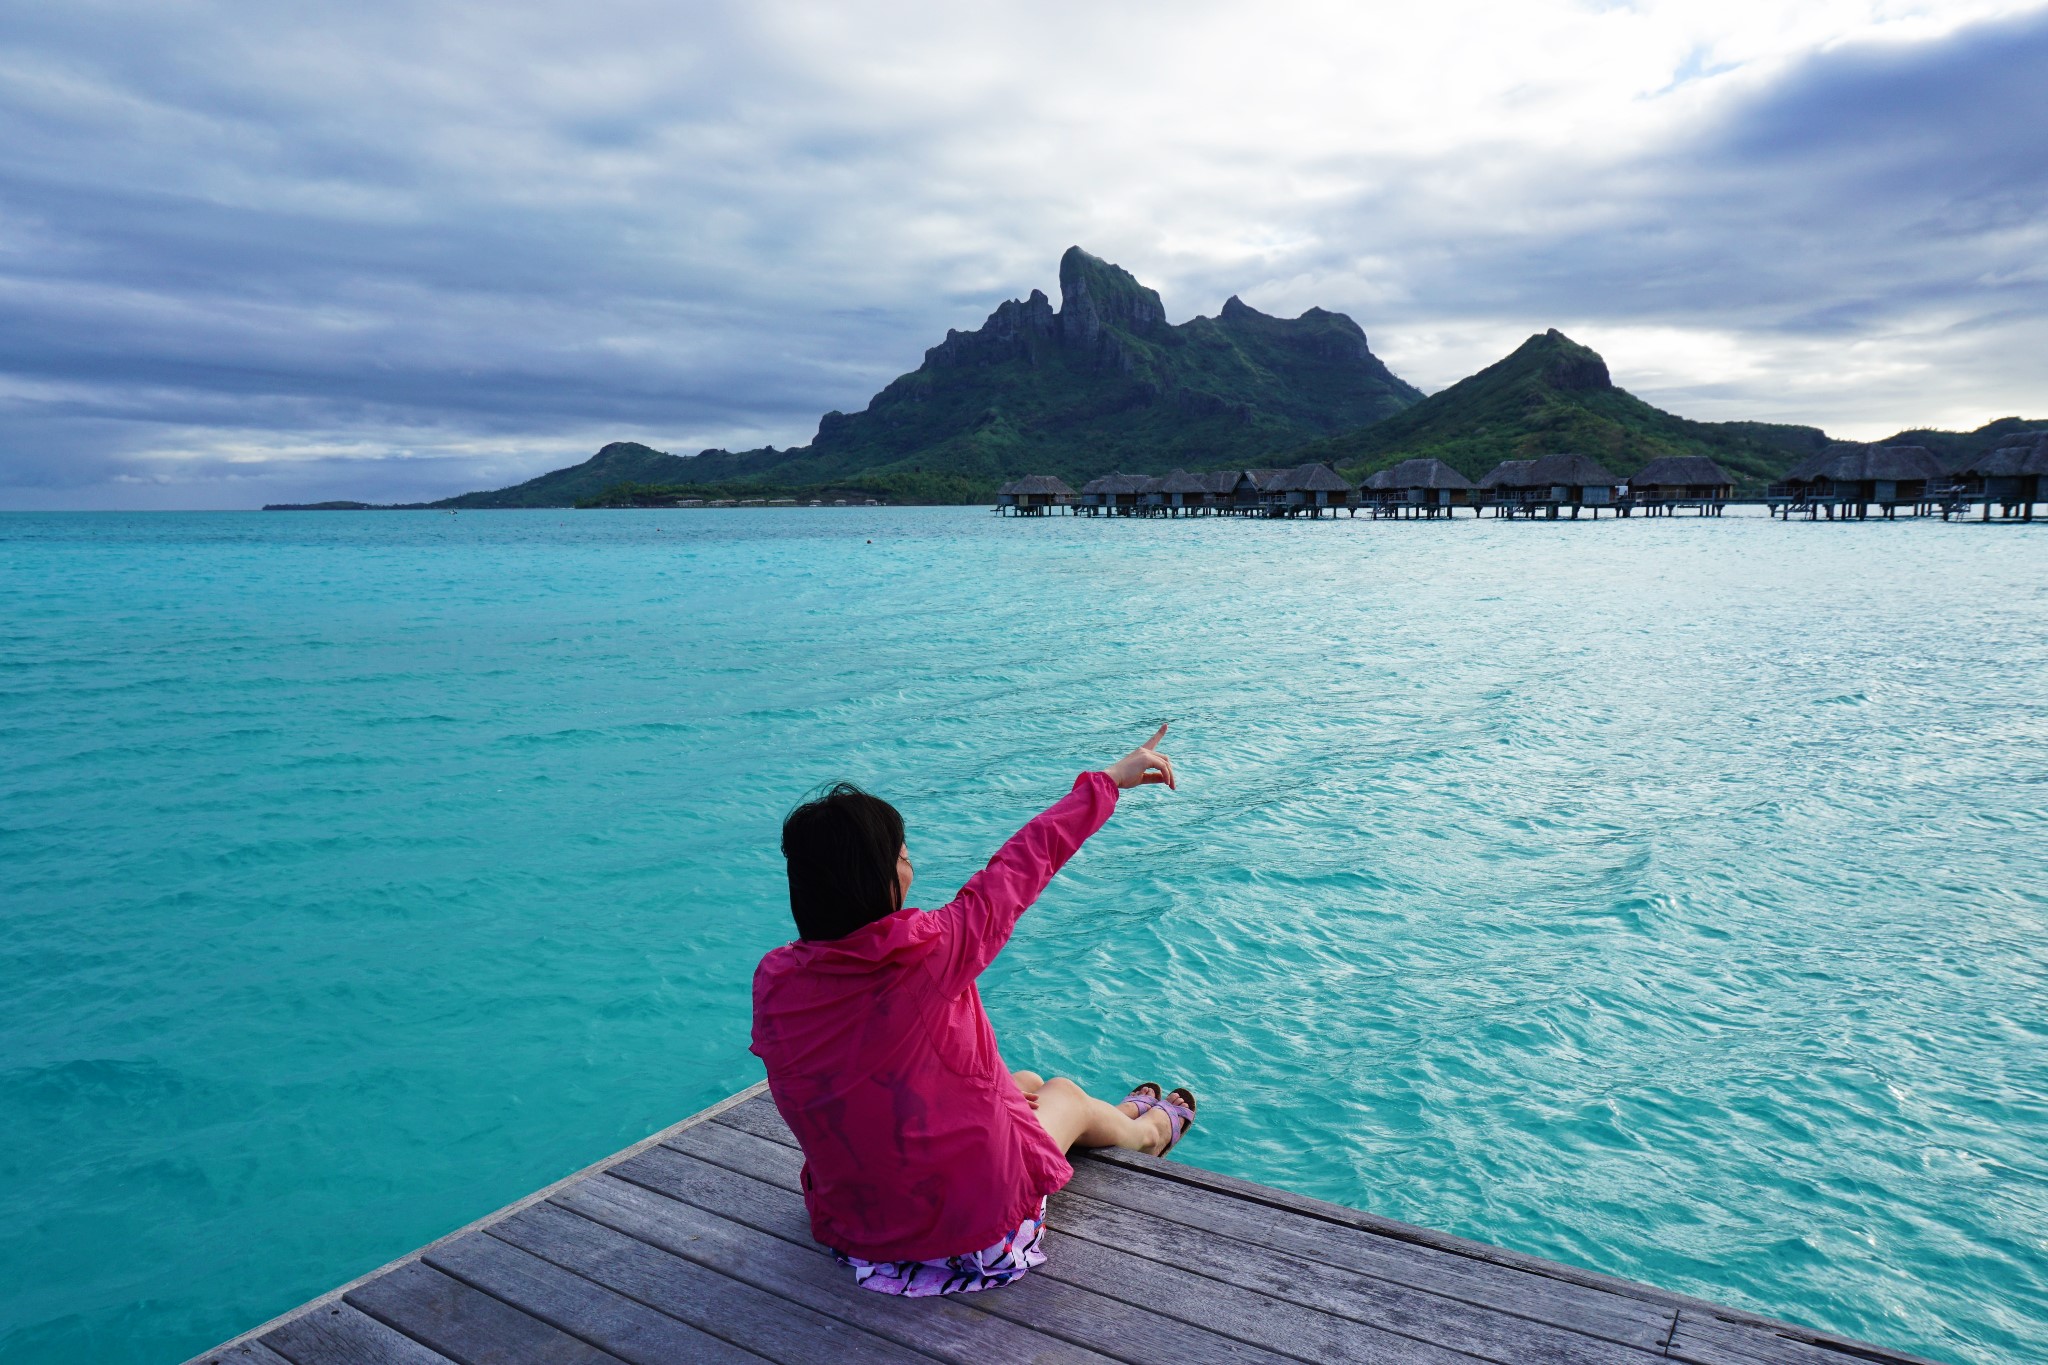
(917,1144)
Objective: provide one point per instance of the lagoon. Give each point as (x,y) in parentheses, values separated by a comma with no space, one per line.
(1663,897)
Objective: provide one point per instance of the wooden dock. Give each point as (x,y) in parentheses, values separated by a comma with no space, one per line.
(694,1246)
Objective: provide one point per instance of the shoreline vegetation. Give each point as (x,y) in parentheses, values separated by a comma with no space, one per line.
(935,492)
(1104,383)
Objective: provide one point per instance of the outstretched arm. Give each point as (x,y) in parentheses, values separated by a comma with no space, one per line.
(978,921)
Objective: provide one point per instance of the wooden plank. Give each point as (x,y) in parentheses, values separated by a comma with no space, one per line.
(1166,1292)
(1163,1254)
(1075,1312)
(1581,1301)
(1483,1332)
(765,1323)
(696,1244)
(465,1323)
(1701,1339)
(1505,1289)
(948,1329)
(247,1353)
(567,1301)
(760,1117)
(1282,1201)
(704,1115)
(337,1334)
(1262,1320)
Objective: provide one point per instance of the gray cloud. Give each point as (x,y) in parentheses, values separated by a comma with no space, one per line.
(1892,198)
(414,249)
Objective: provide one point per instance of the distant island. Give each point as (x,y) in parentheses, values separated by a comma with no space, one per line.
(1106,383)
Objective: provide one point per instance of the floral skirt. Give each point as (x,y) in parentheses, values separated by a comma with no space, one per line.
(1015,1253)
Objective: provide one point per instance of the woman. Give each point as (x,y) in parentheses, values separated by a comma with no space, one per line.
(926,1161)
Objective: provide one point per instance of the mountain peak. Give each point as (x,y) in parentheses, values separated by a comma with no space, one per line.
(1561,363)
(616,451)
(1095,294)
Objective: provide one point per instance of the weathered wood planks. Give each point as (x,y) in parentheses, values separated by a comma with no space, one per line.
(694,1246)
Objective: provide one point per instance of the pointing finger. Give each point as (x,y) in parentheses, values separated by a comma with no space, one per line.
(1153,742)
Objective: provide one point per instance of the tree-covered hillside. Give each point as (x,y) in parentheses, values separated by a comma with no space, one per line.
(1106,383)
(1554,396)
(620,462)
(1103,382)
(1957,449)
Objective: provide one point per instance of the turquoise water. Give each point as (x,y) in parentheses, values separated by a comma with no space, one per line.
(1662,897)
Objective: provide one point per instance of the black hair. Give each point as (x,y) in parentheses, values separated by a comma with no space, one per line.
(841,848)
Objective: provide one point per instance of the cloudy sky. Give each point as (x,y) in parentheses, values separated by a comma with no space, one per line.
(405,248)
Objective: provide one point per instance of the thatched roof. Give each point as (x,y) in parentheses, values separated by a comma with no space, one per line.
(1035,485)
(1508,474)
(1118,483)
(1572,471)
(1180,481)
(1310,478)
(1680,471)
(1810,468)
(1223,480)
(1418,474)
(1849,462)
(1817,463)
(2026,454)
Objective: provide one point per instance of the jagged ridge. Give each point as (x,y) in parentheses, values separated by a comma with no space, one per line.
(1104,380)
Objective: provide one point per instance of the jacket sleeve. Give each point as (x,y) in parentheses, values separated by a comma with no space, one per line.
(977,923)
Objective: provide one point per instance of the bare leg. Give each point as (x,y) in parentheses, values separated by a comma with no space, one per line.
(1030,1082)
(1074,1118)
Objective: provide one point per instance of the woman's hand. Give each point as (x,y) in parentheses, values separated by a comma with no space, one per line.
(1142,765)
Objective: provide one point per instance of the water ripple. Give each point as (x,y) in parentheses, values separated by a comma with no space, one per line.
(1666,898)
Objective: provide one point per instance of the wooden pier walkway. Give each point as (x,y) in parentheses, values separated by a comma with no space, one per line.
(694,1246)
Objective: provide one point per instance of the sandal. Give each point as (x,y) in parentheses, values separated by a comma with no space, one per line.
(1180,1117)
(1146,1103)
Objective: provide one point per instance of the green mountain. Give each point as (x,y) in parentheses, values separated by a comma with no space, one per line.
(1103,383)
(619,462)
(1106,383)
(1552,396)
(1957,449)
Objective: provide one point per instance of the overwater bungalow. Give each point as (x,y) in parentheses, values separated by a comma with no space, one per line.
(1222,488)
(1504,488)
(1418,488)
(1181,493)
(1670,482)
(1245,495)
(1114,494)
(1550,482)
(1575,481)
(1033,496)
(1847,479)
(1311,490)
(2014,476)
